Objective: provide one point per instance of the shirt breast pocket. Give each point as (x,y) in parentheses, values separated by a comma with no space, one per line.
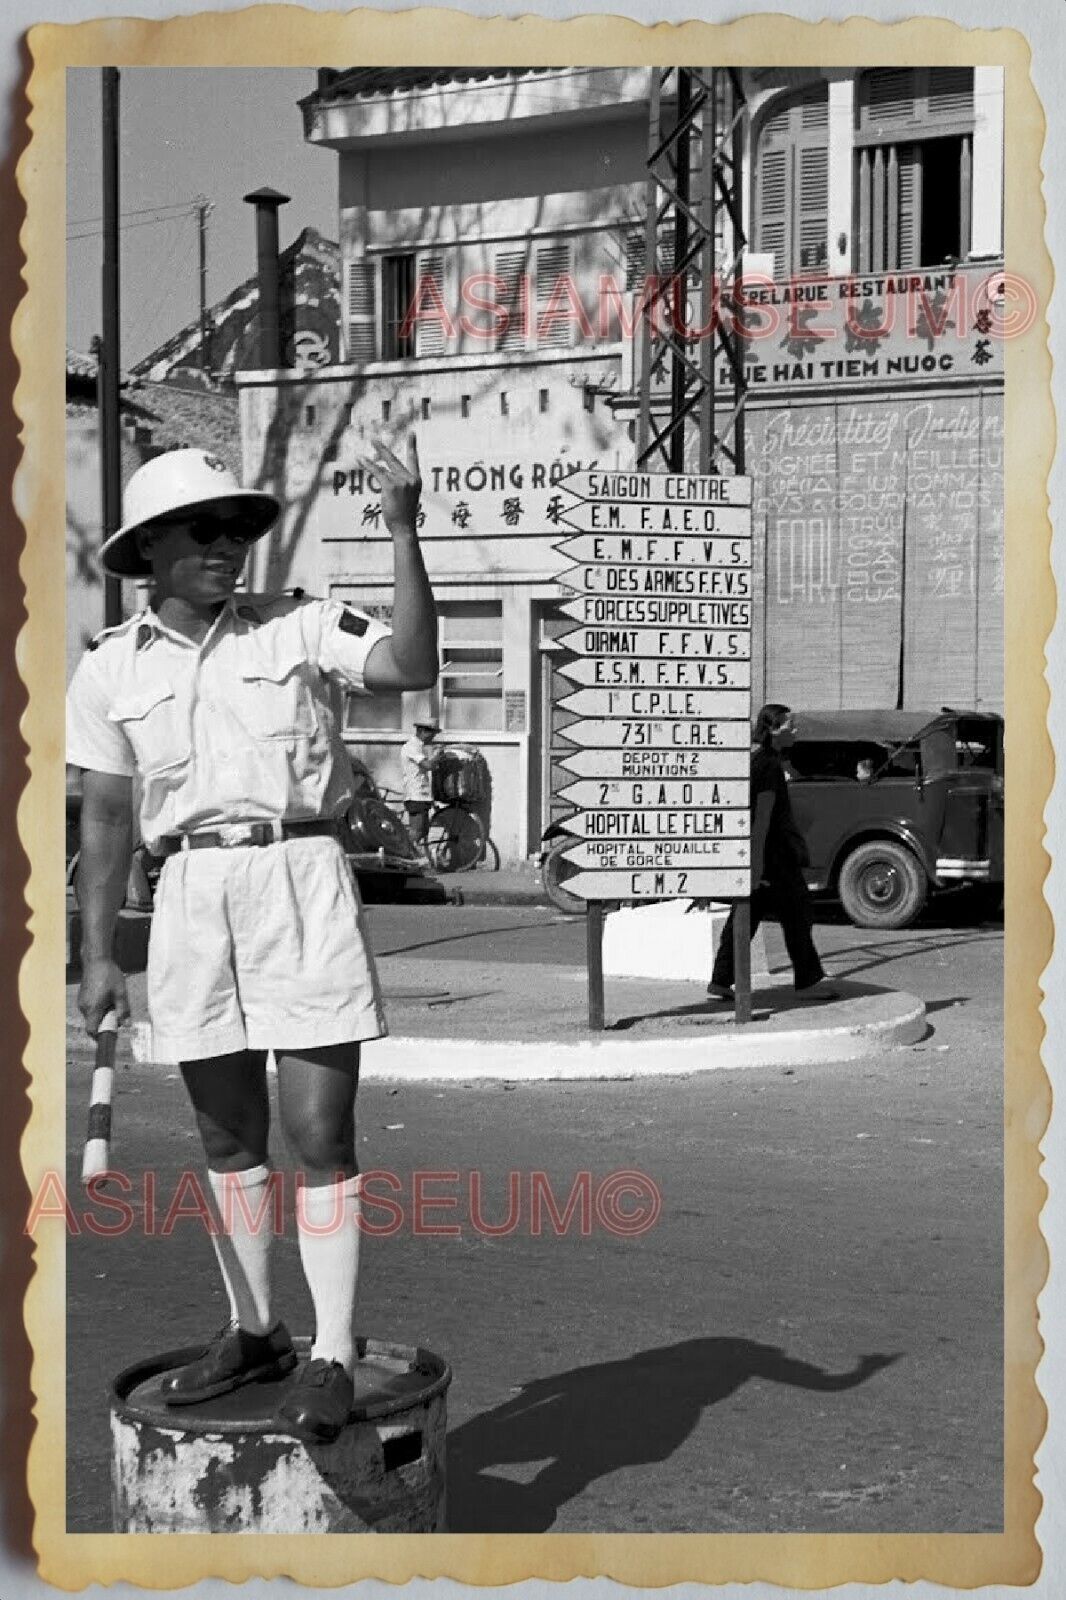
(277,701)
(154,727)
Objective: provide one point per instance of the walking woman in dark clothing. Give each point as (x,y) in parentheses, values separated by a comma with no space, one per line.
(778,857)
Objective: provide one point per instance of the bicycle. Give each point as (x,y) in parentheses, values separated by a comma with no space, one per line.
(458,839)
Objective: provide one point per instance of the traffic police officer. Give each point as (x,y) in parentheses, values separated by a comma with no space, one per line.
(225,708)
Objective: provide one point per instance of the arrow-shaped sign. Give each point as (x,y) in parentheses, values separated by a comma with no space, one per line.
(631,854)
(671,552)
(656,764)
(681,825)
(621,792)
(704,883)
(617,734)
(652,517)
(667,611)
(663,643)
(643,673)
(614,578)
(658,703)
(673,488)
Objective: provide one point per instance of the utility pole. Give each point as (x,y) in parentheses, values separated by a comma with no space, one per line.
(109,353)
(203,211)
(695,234)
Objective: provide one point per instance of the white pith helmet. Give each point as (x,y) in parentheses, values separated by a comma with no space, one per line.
(178,480)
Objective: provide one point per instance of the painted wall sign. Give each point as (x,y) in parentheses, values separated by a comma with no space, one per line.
(889,328)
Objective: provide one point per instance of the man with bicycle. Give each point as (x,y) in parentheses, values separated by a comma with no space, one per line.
(417,761)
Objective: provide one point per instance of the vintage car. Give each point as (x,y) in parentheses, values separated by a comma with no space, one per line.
(378,844)
(892,804)
(896,804)
(375,840)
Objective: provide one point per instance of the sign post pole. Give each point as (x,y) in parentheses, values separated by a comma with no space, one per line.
(594,961)
(742,961)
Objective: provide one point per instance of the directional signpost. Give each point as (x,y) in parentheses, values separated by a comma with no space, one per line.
(659,567)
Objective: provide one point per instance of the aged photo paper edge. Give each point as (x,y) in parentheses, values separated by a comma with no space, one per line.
(276,36)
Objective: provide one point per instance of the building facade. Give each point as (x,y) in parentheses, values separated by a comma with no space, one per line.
(491,229)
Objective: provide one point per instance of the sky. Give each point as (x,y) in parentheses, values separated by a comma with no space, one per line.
(184,132)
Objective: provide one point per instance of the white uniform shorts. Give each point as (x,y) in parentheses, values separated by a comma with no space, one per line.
(259,948)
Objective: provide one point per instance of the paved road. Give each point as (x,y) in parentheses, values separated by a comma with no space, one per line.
(807,1339)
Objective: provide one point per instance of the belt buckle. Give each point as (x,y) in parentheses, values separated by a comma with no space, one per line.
(236,833)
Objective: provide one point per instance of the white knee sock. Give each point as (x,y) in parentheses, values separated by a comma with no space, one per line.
(243,1242)
(328,1235)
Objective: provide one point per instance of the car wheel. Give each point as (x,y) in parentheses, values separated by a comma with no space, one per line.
(882,885)
(551,870)
(377,828)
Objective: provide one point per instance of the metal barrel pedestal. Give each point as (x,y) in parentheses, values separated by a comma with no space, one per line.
(225,1467)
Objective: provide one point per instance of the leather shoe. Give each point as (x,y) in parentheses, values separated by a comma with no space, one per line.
(318,1404)
(719,991)
(233,1357)
(820,989)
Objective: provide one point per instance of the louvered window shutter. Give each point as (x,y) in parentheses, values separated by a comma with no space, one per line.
(773,217)
(553,263)
(950,92)
(362,341)
(910,207)
(793,184)
(813,207)
(432,338)
(633,246)
(509,267)
(930,106)
(887,99)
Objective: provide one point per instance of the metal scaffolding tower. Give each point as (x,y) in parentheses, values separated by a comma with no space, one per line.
(690,417)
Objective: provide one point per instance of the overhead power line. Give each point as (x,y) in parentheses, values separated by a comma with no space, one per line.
(145,222)
(138,211)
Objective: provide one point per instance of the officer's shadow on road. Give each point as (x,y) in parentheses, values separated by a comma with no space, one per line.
(590,1421)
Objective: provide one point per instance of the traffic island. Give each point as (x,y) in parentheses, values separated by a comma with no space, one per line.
(471,1020)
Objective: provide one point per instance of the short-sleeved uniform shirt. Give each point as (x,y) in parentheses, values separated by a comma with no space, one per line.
(417,783)
(244,727)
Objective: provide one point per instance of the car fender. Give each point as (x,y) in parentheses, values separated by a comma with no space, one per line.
(895,828)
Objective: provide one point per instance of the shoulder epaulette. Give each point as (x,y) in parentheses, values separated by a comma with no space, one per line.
(106,633)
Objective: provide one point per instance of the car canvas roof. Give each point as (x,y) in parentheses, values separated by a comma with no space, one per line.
(882,727)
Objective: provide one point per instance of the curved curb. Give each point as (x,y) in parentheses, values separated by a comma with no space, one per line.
(521,1060)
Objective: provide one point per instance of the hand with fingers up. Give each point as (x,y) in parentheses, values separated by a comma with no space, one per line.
(401,484)
(407,658)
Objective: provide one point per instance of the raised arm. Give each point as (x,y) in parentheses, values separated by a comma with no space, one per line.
(407,659)
(103,870)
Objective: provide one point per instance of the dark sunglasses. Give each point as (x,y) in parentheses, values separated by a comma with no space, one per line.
(205,529)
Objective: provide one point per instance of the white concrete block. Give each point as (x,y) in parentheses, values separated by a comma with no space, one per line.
(669,939)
